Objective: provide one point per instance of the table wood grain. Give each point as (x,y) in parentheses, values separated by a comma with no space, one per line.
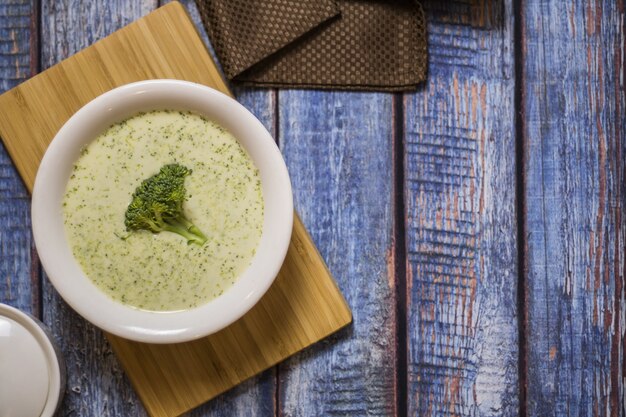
(460,229)
(574,145)
(476,226)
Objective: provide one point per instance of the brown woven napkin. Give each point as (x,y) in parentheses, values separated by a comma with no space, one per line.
(346,44)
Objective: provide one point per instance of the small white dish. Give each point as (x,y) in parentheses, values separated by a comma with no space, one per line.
(56,255)
(32,372)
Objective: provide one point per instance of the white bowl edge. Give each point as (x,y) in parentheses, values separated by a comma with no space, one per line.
(65,273)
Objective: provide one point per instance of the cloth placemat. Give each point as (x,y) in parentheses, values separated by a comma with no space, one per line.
(342,44)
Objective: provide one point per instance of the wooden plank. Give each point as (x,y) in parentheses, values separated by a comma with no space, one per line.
(476,13)
(574,130)
(460,227)
(338,147)
(19,273)
(96,383)
(107,65)
(256,396)
(199,370)
(165,44)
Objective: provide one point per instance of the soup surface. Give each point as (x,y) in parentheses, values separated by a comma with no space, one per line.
(161,271)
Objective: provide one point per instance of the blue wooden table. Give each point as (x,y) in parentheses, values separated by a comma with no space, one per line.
(476,226)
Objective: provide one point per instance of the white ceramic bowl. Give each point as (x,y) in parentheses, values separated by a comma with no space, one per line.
(55,253)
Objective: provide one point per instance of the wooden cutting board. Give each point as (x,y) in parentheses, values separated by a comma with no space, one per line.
(303,305)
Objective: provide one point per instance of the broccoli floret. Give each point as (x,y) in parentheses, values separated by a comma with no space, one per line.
(157,205)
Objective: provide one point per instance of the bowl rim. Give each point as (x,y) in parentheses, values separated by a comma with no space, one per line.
(80,292)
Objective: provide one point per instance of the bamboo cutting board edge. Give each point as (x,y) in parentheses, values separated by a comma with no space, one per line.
(166,44)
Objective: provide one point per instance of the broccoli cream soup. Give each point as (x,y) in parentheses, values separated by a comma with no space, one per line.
(164,211)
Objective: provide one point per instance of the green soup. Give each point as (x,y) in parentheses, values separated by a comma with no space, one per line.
(161,271)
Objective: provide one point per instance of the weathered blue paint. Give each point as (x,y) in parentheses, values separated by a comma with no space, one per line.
(461,226)
(574,128)
(473,13)
(255,397)
(338,147)
(96,384)
(19,275)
